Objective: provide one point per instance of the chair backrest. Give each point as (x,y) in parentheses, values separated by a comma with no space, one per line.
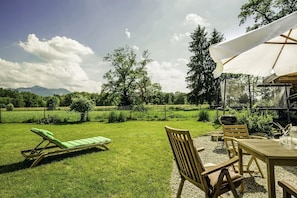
(49,136)
(239,131)
(186,156)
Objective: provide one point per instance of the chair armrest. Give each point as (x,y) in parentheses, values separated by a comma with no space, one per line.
(220,166)
(257,137)
(200,149)
(287,188)
(229,138)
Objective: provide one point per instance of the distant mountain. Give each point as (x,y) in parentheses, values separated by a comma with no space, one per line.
(43,91)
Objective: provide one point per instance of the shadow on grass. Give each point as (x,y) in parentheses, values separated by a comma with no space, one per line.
(7,168)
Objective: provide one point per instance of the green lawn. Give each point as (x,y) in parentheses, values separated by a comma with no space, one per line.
(138,164)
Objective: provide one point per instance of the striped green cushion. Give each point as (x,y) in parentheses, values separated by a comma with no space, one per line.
(86,141)
(42,131)
(73,143)
(48,134)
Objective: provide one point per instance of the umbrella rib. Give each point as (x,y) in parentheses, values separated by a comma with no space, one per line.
(283,45)
(294,41)
(288,37)
(230,59)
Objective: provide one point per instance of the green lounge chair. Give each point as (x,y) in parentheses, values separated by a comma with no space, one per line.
(50,146)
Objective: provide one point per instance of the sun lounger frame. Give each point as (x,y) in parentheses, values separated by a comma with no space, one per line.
(50,146)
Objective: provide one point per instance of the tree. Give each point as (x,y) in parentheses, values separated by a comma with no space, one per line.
(199,78)
(9,107)
(213,84)
(128,78)
(265,11)
(83,106)
(52,102)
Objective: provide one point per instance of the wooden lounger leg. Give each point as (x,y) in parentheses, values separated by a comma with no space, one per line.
(37,160)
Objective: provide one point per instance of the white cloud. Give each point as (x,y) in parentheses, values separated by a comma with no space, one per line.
(58,48)
(171,75)
(128,34)
(190,21)
(194,19)
(61,66)
(135,48)
(180,36)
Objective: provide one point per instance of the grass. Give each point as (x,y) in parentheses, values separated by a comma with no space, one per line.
(138,164)
(101,114)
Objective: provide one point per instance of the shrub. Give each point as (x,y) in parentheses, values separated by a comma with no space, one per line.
(9,107)
(203,115)
(112,117)
(256,121)
(122,117)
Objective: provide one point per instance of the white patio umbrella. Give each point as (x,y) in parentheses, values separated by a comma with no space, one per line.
(271,49)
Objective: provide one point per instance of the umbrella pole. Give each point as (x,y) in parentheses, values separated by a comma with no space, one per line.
(224,100)
(250,95)
(288,104)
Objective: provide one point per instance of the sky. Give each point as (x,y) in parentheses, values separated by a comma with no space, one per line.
(61,43)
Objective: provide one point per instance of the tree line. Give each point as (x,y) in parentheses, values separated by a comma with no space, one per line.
(27,99)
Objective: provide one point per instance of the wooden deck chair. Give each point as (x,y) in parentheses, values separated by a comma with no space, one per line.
(50,146)
(213,180)
(288,190)
(231,134)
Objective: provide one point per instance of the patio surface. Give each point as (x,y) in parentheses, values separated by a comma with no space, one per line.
(254,186)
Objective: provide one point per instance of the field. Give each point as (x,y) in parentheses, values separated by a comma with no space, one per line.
(101,114)
(138,164)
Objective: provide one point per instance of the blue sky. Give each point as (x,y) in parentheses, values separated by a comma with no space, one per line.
(61,43)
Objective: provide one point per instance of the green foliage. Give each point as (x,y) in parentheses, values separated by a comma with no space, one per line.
(83,106)
(200,80)
(256,121)
(203,115)
(265,11)
(9,107)
(152,95)
(122,117)
(112,118)
(101,114)
(116,117)
(128,81)
(52,103)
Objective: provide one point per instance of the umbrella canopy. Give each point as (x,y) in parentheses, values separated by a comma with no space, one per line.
(269,50)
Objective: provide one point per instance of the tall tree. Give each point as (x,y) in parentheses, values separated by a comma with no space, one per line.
(265,11)
(199,78)
(129,76)
(213,93)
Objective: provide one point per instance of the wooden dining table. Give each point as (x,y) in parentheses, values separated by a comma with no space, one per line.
(272,153)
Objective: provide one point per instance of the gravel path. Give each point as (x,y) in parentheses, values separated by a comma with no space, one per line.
(254,186)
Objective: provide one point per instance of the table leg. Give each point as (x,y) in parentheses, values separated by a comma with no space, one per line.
(240,163)
(270,180)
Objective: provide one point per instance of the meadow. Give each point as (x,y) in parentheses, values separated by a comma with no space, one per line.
(138,164)
(101,114)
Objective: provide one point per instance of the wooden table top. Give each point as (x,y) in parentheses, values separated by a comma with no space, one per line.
(268,148)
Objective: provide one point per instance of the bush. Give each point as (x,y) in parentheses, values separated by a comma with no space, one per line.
(122,117)
(257,122)
(9,107)
(112,117)
(203,115)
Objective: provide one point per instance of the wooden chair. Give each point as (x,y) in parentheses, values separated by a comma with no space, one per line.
(288,190)
(231,134)
(213,180)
